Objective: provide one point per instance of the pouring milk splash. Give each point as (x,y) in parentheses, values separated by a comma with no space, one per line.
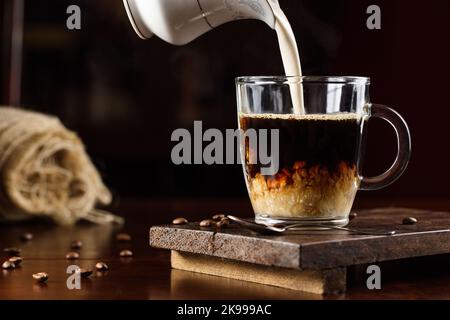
(289,54)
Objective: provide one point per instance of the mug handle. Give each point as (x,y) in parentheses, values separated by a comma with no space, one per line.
(403,147)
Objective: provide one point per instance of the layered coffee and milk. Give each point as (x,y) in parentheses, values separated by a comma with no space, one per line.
(317,177)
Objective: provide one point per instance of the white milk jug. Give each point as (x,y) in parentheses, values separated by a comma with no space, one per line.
(181,21)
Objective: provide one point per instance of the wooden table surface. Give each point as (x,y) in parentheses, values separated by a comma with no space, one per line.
(148,275)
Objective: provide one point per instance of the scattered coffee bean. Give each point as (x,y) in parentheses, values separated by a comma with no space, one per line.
(352,215)
(222,223)
(207,223)
(101,266)
(16,260)
(85,273)
(123,237)
(409,220)
(225,220)
(26,237)
(8,265)
(76,244)
(179,221)
(13,252)
(40,276)
(72,255)
(218,216)
(126,253)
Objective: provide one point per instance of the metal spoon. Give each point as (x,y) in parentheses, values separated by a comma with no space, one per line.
(261,228)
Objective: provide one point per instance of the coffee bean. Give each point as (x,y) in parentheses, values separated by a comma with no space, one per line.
(409,220)
(218,216)
(26,237)
(40,276)
(225,220)
(76,244)
(8,265)
(101,266)
(16,260)
(85,273)
(222,223)
(352,215)
(126,253)
(123,237)
(207,223)
(179,221)
(13,252)
(72,255)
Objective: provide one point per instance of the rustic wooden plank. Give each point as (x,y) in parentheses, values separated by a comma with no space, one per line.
(312,281)
(313,249)
(351,252)
(231,245)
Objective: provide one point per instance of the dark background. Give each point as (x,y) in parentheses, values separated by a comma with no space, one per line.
(125,96)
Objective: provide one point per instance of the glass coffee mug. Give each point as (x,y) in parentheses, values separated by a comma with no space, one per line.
(319,146)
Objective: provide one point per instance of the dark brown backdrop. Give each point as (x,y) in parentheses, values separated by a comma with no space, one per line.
(125,96)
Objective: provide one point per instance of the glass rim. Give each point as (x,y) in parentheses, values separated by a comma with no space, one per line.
(302,79)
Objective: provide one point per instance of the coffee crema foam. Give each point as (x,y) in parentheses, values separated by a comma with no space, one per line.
(316,116)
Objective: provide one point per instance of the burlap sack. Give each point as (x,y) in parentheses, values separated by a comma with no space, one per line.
(45,171)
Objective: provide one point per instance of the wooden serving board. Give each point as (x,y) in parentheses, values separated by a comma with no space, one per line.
(198,249)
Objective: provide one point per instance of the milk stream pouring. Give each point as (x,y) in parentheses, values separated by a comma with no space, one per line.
(289,54)
(181,21)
